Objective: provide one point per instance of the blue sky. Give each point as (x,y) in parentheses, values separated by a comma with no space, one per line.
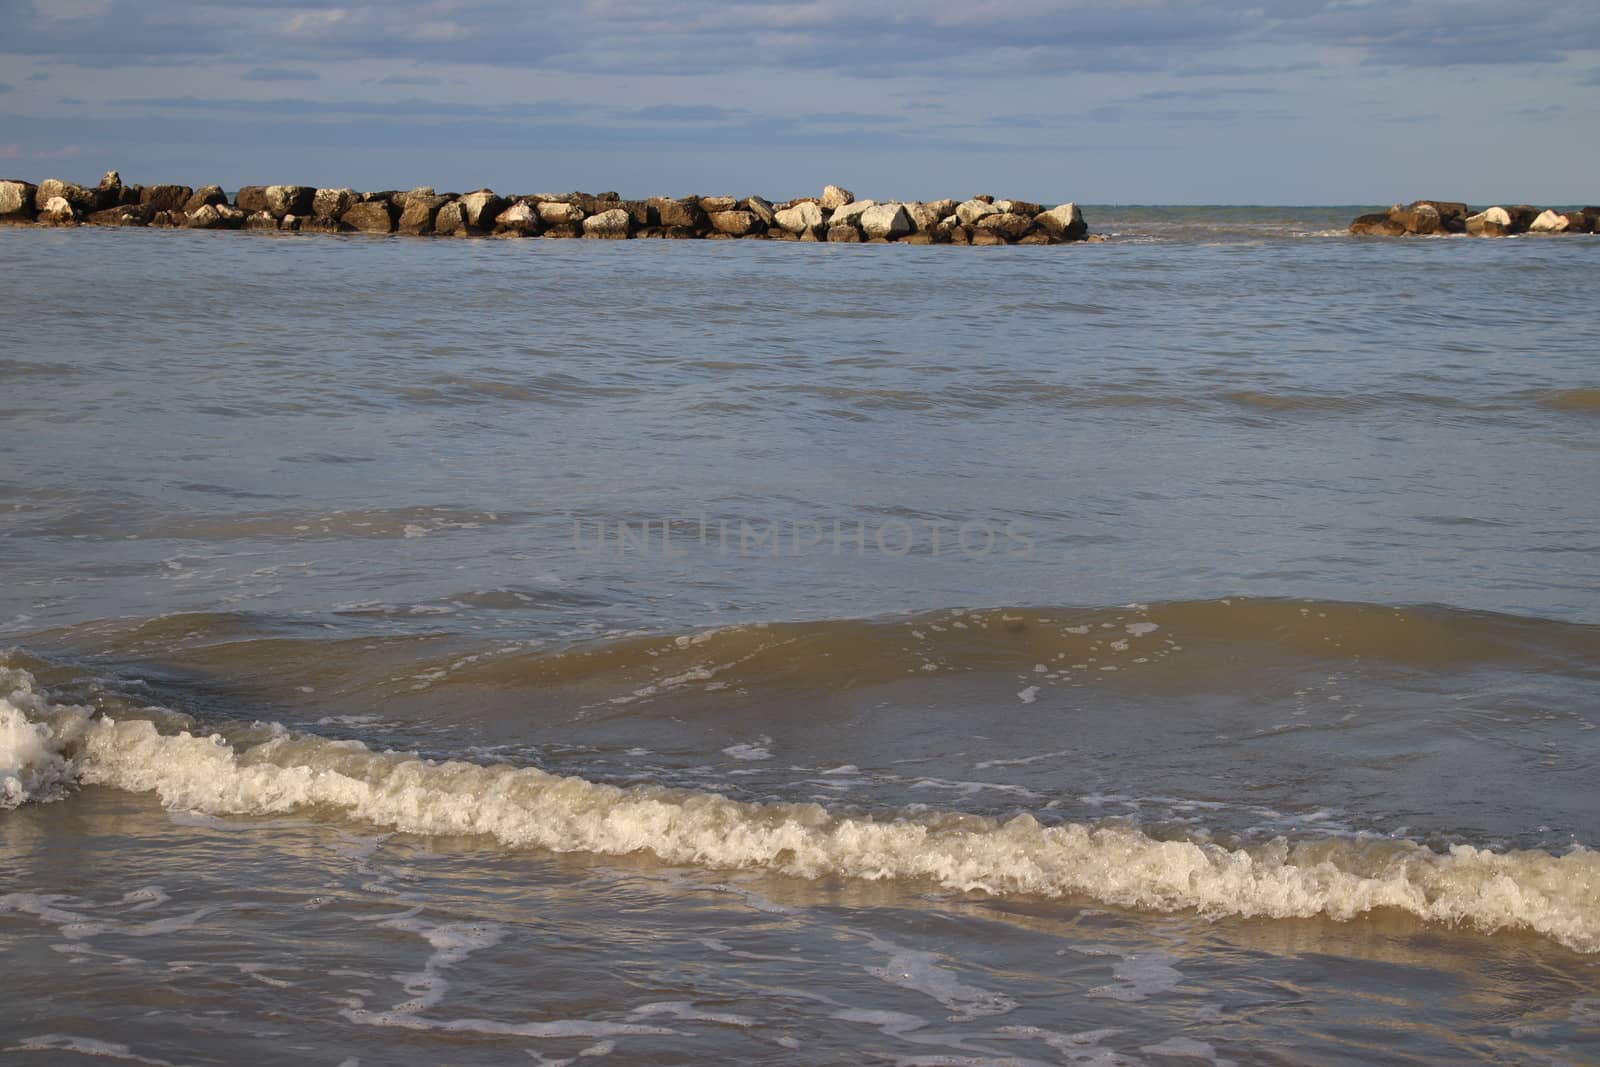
(1166,101)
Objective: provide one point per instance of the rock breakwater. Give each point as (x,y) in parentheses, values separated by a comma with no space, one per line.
(1432,218)
(835,216)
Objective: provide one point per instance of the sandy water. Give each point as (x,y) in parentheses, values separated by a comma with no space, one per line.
(1179,649)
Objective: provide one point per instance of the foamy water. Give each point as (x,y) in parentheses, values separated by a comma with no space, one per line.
(1174,649)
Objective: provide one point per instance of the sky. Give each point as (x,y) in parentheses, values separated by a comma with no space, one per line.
(1098,101)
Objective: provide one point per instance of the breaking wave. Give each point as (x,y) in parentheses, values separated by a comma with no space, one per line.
(266,769)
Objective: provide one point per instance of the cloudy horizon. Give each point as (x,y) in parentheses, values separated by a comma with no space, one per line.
(1157,101)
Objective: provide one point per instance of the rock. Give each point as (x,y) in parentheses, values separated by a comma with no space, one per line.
(613,225)
(57,211)
(417,218)
(970,211)
(804,217)
(289,200)
(16,201)
(291,223)
(845,232)
(121,215)
(1419,218)
(1452,214)
(1064,222)
(332,203)
(1019,207)
(984,198)
(951,229)
(888,221)
(850,214)
(168,218)
(1037,237)
(558,212)
(1522,216)
(481,208)
(988,237)
(210,194)
(159,198)
(1378,224)
(925,217)
(451,221)
(1493,222)
(683,213)
(921,237)
(518,220)
(218,217)
(1578,222)
(1006,224)
(259,220)
(370,216)
(400,200)
(638,211)
(322,225)
(81,200)
(735,223)
(835,197)
(713,204)
(250,198)
(1549,222)
(760,207)
(1591,218)
(109,192)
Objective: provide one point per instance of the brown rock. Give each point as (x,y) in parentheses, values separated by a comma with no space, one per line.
(1419,218)
(713,204)
(159,198)
(258,220)
(250,198)
(451,221)
(210,194)
(735,223)
(683,213)
(1378,224)
(370,216)
(133,215)
(479,209)
(1006,224)
(844,233)
(333,203)
(289,200)
(81,200)
(420,211)
(760,208)
(988,237)
(518,220)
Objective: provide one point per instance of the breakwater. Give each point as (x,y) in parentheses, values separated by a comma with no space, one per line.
(1431,218)
(835,216)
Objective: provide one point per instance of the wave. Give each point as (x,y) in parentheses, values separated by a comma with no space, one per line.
(268,770)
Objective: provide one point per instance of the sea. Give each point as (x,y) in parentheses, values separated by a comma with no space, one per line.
(1181,648)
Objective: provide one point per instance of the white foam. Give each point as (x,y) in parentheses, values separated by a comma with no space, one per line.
(1558,896)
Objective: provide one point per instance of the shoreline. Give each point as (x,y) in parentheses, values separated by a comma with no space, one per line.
(836,216)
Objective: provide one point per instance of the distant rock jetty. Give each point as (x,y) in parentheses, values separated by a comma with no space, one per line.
(835,216)
(1430,218)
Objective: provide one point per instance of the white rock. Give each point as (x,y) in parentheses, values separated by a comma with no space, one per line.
(519,219)
(850,214)
(971,211)
(16,198)
(56,209)
(886,220)
(1549,222)
(835,197)
(1064,220)
(613,224)
(555,213)
(804,216)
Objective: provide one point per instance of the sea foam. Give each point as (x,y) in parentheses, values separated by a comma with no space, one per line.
(523,807)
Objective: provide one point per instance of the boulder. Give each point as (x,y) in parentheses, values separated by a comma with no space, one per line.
(925,217)
(953,232)
(1452,214)
(1037,237)
(481,208)
(844,233)
(417,218)
(291,223)
(260,220)
(614,224)
(804,217)
(1591,219)
(558,213)
(1492,222)
(1579,222)
(451,221)
(210,194)
(400,200)
(57,211)
(850,214)
(970,211)
(81,200)
(683,213)
(1019,207)
(1378,224)
(322,225)
(835,197)
(370,216)
(332,203)
(159,198)
(289,200)
(921,237)
(888,221)
(168,218)
(217,217)
(1549,222)
(250,198)
(121,215)
(638,211)
(16,201)
(1006,224)
(1419,218)
(109,192)
(988,237)
(942,208)
(1064,222)
(736,223)
(713,204)
(518,220)
(760,207)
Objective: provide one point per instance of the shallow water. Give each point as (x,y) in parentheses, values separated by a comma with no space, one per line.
(1184,648)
